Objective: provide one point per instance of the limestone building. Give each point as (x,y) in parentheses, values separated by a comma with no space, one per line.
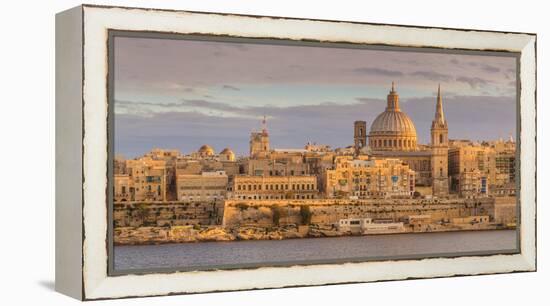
(440,149)
(393,135)
(274,187)
(359,135)
(365,178)
(207,186)
(259,142)
(489,165)
(122,188)
(144,180)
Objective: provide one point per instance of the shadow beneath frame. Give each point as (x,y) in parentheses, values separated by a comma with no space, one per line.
(47,284)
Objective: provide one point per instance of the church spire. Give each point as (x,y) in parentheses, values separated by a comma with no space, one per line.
(439,115)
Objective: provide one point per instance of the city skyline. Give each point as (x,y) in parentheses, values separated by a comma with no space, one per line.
(182,108)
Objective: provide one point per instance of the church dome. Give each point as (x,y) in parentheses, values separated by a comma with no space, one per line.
(227,154)
(226,151)
(206,150)
(392,130)
(393,123)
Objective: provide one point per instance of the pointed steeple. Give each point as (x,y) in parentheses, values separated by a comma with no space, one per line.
(439,115)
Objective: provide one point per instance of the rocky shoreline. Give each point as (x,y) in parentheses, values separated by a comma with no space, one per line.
(190,234)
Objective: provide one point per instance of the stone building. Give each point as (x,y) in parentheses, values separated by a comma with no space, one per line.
(317,148)
(207,186)
(393,135)
(280,162)
(440,149)
(145,180)
(505,168)
(274,187)
(365,178)
(122,188)
(491,163)
(169,156)
(471,184)
(153,176)
(469,165)
(259,142)
(359,135)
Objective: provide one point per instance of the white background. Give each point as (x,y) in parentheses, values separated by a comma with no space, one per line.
(27,119)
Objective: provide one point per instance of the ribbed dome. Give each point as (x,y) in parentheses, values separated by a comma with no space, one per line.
(392,130)
(393,122)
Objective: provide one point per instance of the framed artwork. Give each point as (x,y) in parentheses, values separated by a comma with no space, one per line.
(201,152)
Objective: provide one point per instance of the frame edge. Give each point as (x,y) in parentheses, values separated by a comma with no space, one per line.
(68,153)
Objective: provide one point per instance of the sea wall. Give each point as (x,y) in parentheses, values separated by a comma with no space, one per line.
(175,222)
(231,213)
(266,213)
(165,214)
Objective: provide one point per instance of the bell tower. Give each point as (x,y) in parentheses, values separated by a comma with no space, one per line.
(440,149)
(259,142)
(359,135)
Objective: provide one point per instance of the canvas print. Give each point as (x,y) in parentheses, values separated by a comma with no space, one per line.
(232,153)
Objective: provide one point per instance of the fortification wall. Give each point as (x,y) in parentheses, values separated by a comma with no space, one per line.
(267,213)
(260,213)
(163,214)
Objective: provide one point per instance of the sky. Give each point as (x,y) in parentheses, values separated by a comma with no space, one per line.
(181,94)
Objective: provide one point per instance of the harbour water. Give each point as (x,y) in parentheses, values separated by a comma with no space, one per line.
(189,256)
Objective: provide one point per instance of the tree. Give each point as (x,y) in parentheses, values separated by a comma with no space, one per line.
(142,213)
(276,210)
(305,213)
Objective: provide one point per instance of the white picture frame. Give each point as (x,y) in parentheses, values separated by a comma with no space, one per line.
(82,151)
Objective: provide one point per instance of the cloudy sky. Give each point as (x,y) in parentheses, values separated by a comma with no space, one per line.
(181,94)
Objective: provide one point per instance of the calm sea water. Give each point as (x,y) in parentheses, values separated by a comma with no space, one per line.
(253,253)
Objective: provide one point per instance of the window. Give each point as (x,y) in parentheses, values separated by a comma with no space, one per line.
(440,138)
